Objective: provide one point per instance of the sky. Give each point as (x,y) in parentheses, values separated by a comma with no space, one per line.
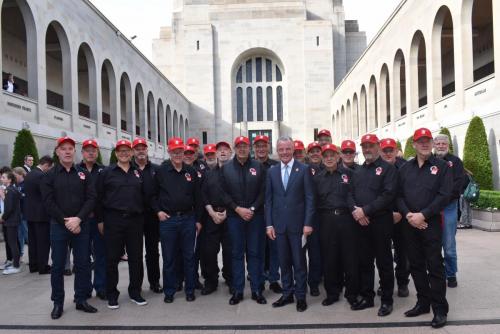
(144,18)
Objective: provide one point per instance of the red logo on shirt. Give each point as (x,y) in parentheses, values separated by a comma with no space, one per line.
(188,177)
(379,170)
(450,164)
(434,170)
(136,172)
(345,178)
(81,175)
(253,171)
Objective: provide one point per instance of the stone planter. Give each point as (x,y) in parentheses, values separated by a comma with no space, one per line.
(486,220)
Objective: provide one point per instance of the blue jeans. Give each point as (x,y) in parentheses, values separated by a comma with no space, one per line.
(60,237)
(98,251)
(22,232)
(250,237)
(449,243)
(175,233)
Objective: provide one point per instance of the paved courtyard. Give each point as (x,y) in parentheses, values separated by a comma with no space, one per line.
(474,306)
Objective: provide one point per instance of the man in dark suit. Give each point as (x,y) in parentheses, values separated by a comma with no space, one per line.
(38,220)
(289,215)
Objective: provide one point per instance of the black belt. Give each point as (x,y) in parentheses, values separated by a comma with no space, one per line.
(336,212)
(179,213)
(219,208)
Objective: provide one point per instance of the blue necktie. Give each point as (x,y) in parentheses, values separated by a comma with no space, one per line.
(285,177)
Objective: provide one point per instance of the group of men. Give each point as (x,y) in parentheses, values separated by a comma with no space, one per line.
(318,201)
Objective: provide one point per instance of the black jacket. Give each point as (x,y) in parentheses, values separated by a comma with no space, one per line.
(35,209)
(12,207)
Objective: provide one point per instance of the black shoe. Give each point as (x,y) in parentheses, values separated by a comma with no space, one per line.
(362,304)
(452,282)
(207,289)
(236,298)
(438,321)
(101,295)
(113,304)
(57,312)
(259,298)
(384,310)
(329,300)
(179,287)
(283,301)
(169,299)
(313,291)
(68,272)
(198,285)
(403,291)
(352,301)
(86,307)
(301,305)
(379,291)
(156,288)
(275,287)
(139,300)
(190,297)
(417,310)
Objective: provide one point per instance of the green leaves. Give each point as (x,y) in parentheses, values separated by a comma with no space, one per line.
(24,145)
(409,150)
(477,155)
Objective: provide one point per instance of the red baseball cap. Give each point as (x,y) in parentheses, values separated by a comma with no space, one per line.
(123,142)
(65,139)
(209,148)
(369,138)
(329,147)
(421,133)
(261,138)
(189,148)
(139,141)
(241,139)
(348,145)
(298,145)
(90,142)
(313,145)
(223,143)
(324,132)
(175,143)
(193,141)
(388,142)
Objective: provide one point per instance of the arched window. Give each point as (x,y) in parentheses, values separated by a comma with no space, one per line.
(482,39)
(259,90)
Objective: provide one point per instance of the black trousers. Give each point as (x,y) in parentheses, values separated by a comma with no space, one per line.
(426,264)
(123,231)
(151,241)
(375,244)
(13,244)
(38,246)
(401,254)
(8,251)
(211,238)
(339,240)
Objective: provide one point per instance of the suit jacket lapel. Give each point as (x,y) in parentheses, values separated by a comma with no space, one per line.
(293,175)
(278,174)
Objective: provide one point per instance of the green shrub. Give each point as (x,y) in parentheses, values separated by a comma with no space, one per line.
(409,150)
(398,144)
(477,154)
(488,199)
(112,157)
(24,145)
(445,131)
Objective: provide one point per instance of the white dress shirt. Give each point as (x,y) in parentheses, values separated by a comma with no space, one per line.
(290,165)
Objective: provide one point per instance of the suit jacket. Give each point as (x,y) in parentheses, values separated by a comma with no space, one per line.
(288,211)
(33,204)
(12,207)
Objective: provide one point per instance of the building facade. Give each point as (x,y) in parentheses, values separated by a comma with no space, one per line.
(77,75)
(253,67)
(432,64)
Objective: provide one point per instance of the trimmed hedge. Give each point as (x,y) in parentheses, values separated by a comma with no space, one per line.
(398,144)
(112,157)
(488,199)
(23,146)
(445,131)
(477,154)
(409,150)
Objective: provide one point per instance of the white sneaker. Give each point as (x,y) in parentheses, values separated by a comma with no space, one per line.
(11,270)
(6,265)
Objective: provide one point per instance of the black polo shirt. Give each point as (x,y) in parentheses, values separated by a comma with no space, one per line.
(177,191)
(425,189)
(120,191)
(68,193)
(457,170)
(269,163)
(148,175)
(332,189)
(211,188)
(374,188)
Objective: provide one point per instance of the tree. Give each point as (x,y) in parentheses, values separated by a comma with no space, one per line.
(24,145)
(477,154)
(398,144)
(409,150)
(445,131)
(112,157)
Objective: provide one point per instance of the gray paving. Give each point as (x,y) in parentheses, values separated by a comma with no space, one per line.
(25,301)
